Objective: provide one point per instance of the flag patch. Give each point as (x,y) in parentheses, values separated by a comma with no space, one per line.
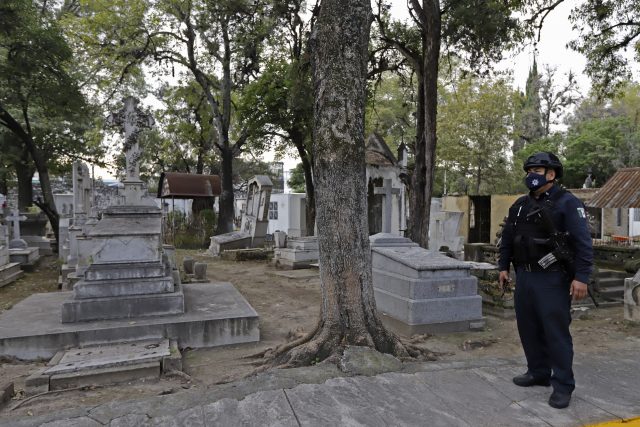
(581,213)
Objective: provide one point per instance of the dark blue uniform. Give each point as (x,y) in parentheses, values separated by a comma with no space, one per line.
(542,300)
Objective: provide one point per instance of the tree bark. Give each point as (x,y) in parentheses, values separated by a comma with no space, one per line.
(24,173)
(225,203)
(348,313)
(422,181)
(306,158)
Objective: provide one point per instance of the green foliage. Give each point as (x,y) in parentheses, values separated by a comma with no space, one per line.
(474,130)
(296,179)
(190,233)
(390,109)
(608,28)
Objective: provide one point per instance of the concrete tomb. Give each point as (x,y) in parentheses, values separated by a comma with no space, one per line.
(300,252)
(444,228)
(255,220)
(33,229)
(9,271)
(126,288)
(420,291)
(19,250)
(632,298)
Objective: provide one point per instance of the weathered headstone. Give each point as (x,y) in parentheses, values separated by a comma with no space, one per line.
(422,291)
(9,271)
(120,258)
(387,191)
(255,220)
(300,252)
(19,249)
(632,298)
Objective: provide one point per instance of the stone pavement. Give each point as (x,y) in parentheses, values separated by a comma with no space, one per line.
(470,393)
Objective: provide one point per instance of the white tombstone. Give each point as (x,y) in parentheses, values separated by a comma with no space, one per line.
(632,298)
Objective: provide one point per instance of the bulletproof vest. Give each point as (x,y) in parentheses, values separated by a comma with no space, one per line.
(531,234)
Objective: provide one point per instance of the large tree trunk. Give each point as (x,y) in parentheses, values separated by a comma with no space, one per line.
(225,204)
(348,313)
(24,173)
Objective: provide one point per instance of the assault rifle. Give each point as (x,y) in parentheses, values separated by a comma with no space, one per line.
(559,241)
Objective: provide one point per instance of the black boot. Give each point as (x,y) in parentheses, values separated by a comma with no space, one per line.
(559,400)
(528,380)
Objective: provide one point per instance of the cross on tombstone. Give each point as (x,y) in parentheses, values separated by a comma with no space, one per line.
(387,191)
(130,121)
(15,218)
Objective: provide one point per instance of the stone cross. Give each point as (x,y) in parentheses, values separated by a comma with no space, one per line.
(387,191)
(130,121)
(15,218)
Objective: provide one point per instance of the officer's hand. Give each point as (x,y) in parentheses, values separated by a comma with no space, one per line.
(504,277)
(578,290)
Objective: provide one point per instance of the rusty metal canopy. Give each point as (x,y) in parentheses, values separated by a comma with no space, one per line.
(622,190)
(188,186)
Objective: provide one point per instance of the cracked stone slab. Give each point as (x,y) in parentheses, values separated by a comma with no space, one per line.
(73,422)
(267,408)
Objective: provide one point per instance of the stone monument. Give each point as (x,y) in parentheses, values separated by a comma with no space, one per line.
(632,298)
(300,252)
(255,220)
(120,258)
(419,291)
(127,288)
(19,250)
(9,271)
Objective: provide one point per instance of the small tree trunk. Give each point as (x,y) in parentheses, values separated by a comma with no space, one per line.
(24,173)
(225,206)
(419,176)
(348,314)
(307,164)
(431,57)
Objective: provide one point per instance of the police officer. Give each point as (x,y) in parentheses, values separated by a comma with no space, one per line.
(550,272)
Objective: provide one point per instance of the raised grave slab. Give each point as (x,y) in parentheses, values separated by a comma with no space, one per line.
(215,314)
(421,291)
(227,241)
(300,253)
(27,258)
(9,273)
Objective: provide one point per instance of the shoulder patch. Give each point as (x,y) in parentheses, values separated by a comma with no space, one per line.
(581,213)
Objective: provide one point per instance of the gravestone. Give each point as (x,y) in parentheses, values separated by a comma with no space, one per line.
(444,230)
(255,220)
(387,191)
(33,230)
(300,252)
(120,265)
(632,298)
(9,271)
(19,250)
(420,291)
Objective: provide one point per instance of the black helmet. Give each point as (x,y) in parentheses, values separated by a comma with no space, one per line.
(546,160)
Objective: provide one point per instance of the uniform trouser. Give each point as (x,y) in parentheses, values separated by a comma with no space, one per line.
(543,304)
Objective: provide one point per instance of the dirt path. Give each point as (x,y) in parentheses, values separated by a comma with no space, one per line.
(288,306)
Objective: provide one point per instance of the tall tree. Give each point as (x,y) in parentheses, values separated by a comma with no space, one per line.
(480,30)
(475,123)
(529,122)
(40,102)
(348,313)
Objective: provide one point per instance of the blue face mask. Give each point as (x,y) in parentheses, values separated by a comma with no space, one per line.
(534,181)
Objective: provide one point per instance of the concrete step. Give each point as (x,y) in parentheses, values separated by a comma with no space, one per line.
(606,274)
(609,283)
(612,292)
